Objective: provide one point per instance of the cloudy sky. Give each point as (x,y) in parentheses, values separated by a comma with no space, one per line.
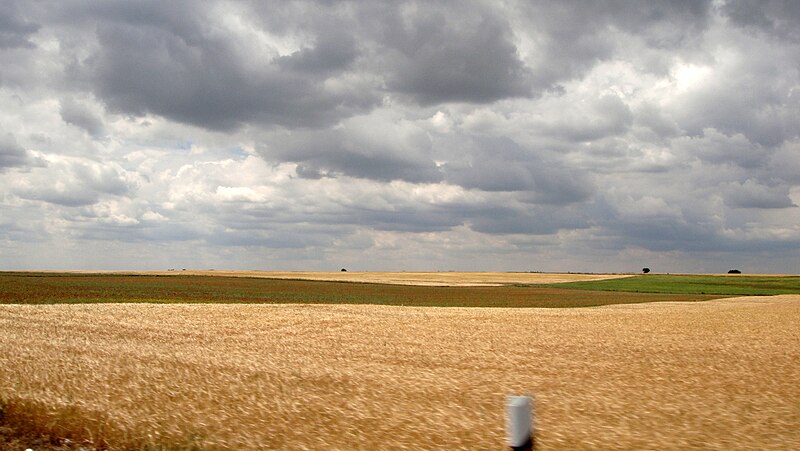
(437,135)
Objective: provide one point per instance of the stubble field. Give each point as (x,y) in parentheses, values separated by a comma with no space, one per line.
(434,279)
(720,374)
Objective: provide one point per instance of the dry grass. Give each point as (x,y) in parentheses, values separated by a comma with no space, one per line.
(713,375)
(451,279)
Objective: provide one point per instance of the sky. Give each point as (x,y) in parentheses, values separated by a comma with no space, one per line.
(601,136)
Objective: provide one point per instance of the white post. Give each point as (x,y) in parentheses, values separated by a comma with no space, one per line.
(519,424)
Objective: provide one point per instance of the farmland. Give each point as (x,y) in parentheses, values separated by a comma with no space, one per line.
(199,362)
(685,284)
(443,279)
(38,288)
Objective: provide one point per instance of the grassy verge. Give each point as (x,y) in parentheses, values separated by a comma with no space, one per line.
(40,288)
(685,284)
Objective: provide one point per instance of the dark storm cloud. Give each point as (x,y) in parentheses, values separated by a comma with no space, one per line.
(140,71)
(15,30)
(170,59)
(167,59)
(778,18)
(333,51)
(451,53)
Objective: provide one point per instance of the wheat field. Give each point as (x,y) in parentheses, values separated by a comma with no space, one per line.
(721,374)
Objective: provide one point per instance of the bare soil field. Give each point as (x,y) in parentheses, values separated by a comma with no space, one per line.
(721,374)
(449,279)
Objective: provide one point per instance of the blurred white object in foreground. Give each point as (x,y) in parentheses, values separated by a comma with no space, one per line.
(519,425)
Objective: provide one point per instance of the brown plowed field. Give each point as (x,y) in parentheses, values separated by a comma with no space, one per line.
(721,374)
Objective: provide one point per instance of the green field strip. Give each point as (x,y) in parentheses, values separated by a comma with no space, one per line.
(689,284)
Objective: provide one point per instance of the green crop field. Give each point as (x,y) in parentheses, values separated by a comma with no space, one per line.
(50,288)
(688,284)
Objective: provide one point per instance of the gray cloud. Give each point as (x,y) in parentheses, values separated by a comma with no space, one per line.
(77,114)
(545,220)
(79,183)
(604,116)
(579,135)
(666,25)
(572,37)
(350,152)
(716,148)
(452,55)
(405,219)
(765,102)
(500,164)
(667,234)
(157,58)
(775,17)
(333,51)
(11,153)
(752,194)
(275,240)
(15,30)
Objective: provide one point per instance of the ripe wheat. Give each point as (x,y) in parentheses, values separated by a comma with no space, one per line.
(714,375)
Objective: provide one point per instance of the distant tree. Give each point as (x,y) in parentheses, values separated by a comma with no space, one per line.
(734,271)
(344,270)
(645,270)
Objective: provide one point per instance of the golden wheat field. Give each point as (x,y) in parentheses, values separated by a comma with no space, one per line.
(721,374)
(452,279)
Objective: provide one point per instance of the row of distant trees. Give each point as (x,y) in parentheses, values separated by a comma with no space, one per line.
(732,271)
